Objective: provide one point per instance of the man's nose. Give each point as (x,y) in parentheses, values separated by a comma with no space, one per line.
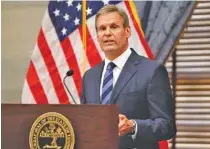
(108,31)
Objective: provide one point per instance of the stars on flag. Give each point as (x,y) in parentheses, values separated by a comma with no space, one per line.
(89,11)
(56,12)
(76,21)
(69,3)
(66,17)
(105,2)
(64,30)
(59,1)
(79,6)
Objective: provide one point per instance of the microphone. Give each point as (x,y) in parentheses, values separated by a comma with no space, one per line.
(69,73)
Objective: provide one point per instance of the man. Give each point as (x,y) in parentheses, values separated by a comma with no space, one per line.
(140,87)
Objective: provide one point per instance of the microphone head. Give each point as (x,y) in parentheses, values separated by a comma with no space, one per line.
(70,72)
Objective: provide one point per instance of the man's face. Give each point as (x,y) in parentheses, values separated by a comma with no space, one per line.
(112,36)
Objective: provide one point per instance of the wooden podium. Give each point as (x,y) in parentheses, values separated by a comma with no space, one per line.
(95,126)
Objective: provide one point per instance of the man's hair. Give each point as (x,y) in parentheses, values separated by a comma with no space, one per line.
(113,8)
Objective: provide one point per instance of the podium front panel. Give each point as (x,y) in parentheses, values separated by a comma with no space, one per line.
(95,126)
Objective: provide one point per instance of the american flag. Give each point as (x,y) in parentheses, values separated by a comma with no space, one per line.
(59,47)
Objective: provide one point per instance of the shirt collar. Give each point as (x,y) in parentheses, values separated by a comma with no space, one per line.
(120,60)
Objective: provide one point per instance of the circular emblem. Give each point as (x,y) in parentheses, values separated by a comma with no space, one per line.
(51,131)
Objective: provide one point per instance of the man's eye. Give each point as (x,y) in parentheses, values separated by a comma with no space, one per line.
(114,26)
(102,28)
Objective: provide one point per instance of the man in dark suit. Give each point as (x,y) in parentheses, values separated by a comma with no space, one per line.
(140,87)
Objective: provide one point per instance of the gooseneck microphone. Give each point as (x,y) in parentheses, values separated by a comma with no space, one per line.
(69,73)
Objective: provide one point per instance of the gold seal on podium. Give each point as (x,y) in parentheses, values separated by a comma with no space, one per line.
(51,131)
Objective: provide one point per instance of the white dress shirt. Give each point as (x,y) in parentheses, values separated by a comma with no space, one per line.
(119,62)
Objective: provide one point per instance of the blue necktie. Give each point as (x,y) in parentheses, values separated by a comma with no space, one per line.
(107,83)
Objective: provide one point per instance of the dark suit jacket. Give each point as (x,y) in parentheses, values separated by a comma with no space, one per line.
(143,93)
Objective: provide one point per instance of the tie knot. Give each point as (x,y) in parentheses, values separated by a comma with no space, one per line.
(111,65)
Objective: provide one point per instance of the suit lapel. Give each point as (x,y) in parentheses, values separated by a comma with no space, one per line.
(97,80)
(126,74)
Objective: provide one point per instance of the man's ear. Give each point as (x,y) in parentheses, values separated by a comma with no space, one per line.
(128,31)
(98,39)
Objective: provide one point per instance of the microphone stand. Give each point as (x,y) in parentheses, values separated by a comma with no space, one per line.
(68,89)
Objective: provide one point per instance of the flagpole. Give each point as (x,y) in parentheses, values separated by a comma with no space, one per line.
(135,13)
(84,39)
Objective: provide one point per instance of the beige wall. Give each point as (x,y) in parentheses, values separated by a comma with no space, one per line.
(21,22)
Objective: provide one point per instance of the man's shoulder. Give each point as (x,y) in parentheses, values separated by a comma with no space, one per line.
(95,68)
(144,60)
(149,62)
(148,66)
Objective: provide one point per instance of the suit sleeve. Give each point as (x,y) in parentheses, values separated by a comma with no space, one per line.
(161,123)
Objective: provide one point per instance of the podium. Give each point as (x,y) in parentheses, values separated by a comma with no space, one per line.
(95,126)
